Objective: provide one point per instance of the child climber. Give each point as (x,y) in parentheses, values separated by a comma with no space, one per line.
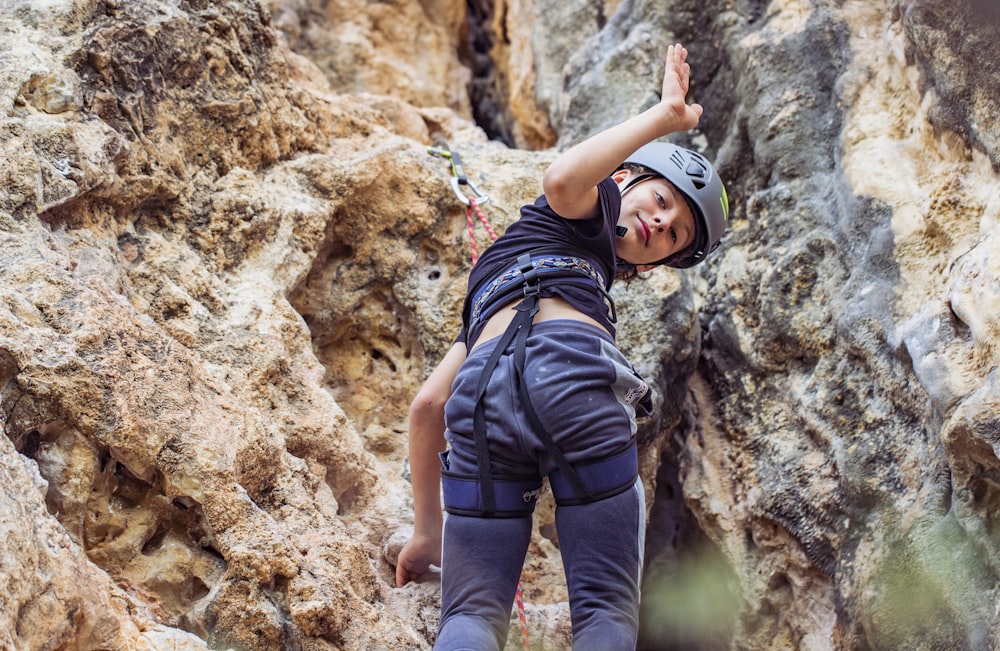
(543,391)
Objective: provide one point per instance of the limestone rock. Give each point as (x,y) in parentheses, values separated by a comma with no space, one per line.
(227,261)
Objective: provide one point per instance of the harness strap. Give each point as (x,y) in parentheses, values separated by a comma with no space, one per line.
(526,311)
(567,469)
(479,417)
(507,284)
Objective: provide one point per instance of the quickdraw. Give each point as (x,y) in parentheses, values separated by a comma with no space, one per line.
(459,177)
(472,204)
(471,201)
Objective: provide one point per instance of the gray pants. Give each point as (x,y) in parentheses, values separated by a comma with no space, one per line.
(584,391)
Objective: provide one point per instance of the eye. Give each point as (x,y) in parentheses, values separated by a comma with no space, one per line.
(660,200)
(673,235)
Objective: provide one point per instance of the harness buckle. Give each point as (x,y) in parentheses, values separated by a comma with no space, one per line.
(532,282)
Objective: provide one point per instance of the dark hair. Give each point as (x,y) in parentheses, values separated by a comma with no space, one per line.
(639,170)
(626,271)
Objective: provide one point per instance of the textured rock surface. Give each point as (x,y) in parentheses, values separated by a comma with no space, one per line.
(227,261)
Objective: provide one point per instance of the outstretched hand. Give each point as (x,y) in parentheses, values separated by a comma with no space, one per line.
(676,80)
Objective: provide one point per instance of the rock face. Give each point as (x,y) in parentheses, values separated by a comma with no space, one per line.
(227,261)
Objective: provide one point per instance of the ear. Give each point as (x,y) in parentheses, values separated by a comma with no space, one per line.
(643,268)
(620,176)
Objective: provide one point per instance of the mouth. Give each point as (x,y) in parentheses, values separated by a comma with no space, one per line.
(644,230)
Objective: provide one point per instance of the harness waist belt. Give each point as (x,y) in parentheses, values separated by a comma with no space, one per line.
(511,280)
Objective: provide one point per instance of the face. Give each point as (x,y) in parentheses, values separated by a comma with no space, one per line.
(658,219)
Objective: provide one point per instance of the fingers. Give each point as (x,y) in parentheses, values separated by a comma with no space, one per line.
(677,71)
(409,570)
(677,55)
(405,573)
(402,576)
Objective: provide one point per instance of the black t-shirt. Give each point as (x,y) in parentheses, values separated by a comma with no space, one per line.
(541,231)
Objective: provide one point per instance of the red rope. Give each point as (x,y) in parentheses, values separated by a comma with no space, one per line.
(473,207)
(522,618)
(472,236)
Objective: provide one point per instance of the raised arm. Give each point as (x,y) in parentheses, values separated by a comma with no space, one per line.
(426,422)
(570,183)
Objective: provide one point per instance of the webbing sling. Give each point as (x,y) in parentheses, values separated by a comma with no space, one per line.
(517,332)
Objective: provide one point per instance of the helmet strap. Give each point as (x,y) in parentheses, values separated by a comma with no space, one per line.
(639,178)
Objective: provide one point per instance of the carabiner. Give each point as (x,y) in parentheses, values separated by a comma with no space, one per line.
(459,178)
(476,194)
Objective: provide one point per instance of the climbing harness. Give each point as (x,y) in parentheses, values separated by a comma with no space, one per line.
(488,495)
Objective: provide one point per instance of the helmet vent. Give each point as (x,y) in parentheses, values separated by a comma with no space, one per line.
(698,183)
(677,159)
(696,169)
